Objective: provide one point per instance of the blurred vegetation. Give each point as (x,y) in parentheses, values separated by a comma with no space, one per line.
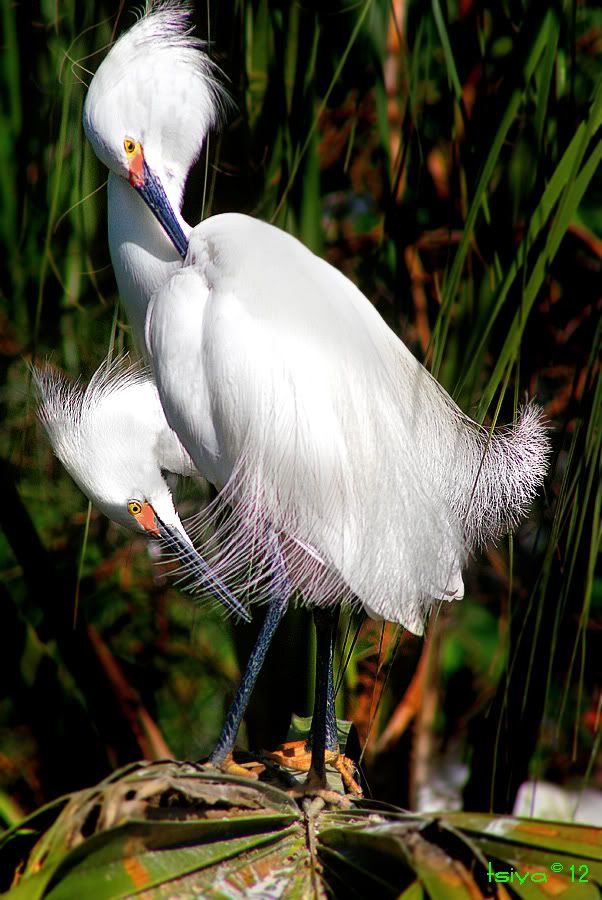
(445,156)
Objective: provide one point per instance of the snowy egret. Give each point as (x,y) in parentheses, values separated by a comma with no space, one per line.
(338,453)
(155,67)
(114,440)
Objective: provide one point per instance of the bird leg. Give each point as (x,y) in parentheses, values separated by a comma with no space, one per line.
(322,745)
(279,594)
(324,735)
(323,738)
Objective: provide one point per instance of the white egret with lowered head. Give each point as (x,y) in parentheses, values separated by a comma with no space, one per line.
(114,440)
(339,455)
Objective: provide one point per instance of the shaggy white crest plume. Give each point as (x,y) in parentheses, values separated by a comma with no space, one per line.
(113,439)
(127,96)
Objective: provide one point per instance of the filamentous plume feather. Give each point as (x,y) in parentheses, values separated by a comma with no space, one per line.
(330,552)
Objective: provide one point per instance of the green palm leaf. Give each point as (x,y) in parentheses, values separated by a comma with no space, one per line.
(175,830)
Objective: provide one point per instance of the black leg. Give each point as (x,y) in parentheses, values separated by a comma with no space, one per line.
(324,724)
(279,590)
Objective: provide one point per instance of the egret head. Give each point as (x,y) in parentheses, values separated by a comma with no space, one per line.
(114,440)
(150,105)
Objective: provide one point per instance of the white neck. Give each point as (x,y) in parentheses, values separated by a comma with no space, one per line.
(142,254)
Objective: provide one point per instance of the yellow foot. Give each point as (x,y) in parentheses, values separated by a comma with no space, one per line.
(230,767)
(291,755)
(346,769)
(315,787)
(295,755)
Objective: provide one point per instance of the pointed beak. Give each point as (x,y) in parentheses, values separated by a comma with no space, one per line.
(149,186)
(198,573)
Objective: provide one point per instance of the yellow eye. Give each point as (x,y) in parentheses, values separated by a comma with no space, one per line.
(134,507)
(129,146)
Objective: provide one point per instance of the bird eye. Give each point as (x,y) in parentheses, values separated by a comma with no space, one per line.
(134,507)
(129,146)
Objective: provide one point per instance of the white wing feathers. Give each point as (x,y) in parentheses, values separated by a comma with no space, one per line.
(320,422)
